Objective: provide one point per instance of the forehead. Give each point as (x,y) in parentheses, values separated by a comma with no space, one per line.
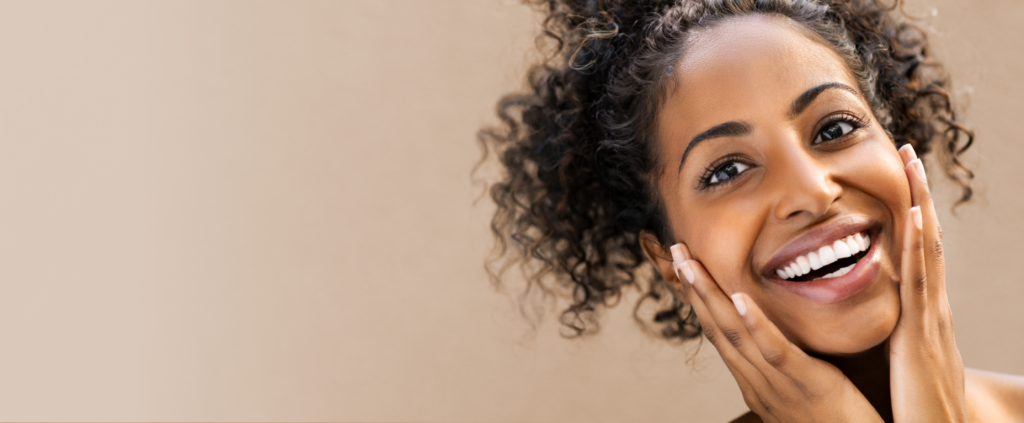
(747,66)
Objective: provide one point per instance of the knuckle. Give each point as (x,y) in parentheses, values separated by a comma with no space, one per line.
(818,397)
(776,359)
(711,334)
(945,323)
(937,247)
(945,329)
(757,329)
(733,336)
(919,281)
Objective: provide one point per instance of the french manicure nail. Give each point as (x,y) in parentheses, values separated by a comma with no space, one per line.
(687,271)
(677,253)
(915,212)
(909,151)
(919,168)
(741,306)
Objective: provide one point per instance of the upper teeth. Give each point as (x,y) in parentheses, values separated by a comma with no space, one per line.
(825,256)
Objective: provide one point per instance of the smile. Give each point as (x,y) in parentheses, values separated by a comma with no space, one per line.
(831,260)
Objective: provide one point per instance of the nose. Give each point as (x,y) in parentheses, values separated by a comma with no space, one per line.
(804,184)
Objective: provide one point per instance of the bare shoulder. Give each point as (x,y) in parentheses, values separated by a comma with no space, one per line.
(991,398)
(994,397)
(748,417)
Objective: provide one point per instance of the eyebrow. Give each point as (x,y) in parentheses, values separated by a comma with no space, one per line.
(735,129)
(728,129)
(805,99)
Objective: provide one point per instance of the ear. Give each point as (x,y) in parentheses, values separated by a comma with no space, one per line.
(661,257)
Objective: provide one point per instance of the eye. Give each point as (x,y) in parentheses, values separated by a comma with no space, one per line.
(726,172)
(832,131)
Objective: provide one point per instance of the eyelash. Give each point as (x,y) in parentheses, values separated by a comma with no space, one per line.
(705,180)
(855,122)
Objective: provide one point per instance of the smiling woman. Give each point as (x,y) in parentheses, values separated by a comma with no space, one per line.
(763,157)
(810,169)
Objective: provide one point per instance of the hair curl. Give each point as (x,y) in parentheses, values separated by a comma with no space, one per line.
(576,147)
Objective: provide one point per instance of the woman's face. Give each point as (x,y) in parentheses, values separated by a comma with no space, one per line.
(769,155)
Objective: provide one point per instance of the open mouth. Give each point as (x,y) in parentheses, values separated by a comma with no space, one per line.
(828,261)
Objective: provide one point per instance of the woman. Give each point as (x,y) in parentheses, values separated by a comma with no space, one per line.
(763,156)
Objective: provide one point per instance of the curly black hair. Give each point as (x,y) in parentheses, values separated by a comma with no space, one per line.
(576,146)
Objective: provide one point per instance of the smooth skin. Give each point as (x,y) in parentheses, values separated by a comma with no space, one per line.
(885,352)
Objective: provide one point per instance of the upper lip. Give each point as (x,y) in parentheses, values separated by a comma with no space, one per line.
(825,233)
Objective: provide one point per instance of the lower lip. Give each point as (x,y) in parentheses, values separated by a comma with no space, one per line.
(833,290)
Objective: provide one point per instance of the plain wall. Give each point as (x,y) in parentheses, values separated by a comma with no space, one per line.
(255,210)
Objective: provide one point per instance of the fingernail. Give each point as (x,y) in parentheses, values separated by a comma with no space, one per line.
(741,306)
(915,212)
(687,271)
(677,253)
(908,150)
(919,168)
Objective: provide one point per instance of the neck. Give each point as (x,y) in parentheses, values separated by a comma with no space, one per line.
(869,372)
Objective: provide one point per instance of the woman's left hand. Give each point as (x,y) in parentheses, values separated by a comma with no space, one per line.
(926,371)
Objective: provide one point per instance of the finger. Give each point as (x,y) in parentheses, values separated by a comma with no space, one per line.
(680,253)
(913,275)
(756,389)
(776,350)
(727,317)
(743,371)
(750,393)
(921,196)
(754,400)
(907,154)
(713,333)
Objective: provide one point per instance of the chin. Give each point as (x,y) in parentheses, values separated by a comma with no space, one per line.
(858,330)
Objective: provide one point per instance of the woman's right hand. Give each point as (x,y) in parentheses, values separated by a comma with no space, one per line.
(780,382)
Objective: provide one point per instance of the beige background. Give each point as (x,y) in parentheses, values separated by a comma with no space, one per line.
(263,211)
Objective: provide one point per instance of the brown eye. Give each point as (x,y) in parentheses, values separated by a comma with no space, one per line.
(832,131)
(726,172)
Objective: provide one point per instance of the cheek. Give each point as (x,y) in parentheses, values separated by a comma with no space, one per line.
(879,183)
(877,170)
(722,242)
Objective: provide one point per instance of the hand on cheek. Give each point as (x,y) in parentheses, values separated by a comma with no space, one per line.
(926,371)
(779,381)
